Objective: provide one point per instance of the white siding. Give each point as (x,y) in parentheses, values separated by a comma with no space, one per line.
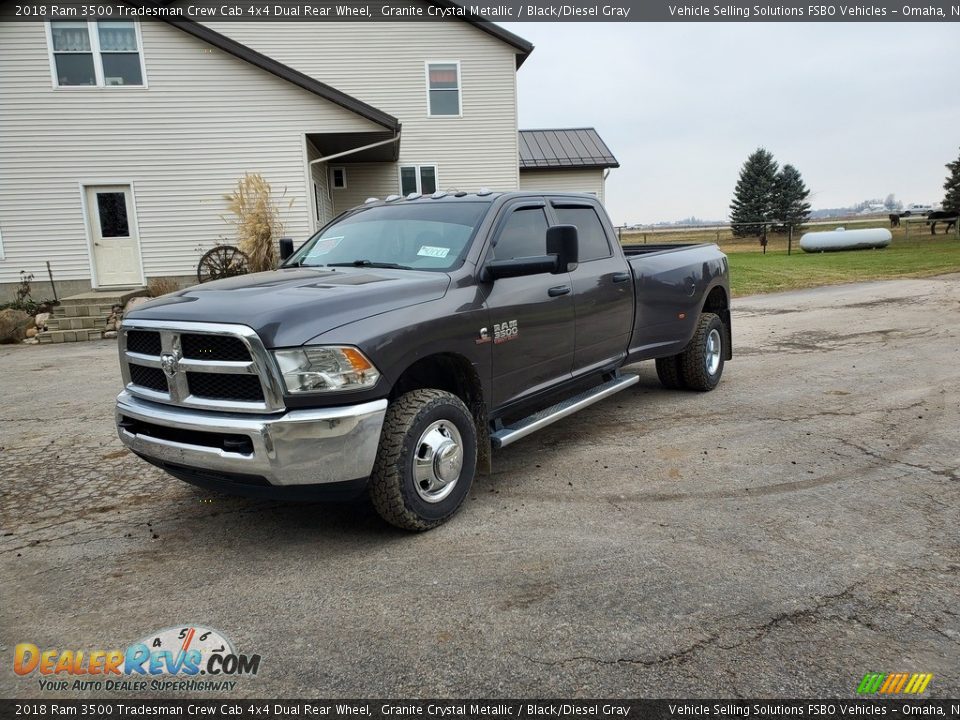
(365,180)
(383,64)
(567,180)
(206,118)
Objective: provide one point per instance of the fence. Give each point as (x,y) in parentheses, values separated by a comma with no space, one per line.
(775,235)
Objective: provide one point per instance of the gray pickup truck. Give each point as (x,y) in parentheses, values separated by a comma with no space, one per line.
(405,340)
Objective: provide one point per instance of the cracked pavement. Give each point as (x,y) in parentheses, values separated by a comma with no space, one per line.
(780,536)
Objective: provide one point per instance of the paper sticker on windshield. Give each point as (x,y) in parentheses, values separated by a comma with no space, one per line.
(429,251)
(325,245)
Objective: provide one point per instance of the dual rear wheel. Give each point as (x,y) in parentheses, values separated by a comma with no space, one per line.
(700,365)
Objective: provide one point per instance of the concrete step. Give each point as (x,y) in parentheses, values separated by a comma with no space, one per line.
(61,336)
(62,311)
(86,322)
(103,297)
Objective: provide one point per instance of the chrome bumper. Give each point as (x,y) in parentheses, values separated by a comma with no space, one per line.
(300,447)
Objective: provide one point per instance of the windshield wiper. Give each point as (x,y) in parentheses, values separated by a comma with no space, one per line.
(371,264)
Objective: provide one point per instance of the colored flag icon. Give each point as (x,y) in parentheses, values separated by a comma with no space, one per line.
(894,683)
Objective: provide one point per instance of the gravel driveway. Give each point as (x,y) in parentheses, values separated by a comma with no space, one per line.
(781,536)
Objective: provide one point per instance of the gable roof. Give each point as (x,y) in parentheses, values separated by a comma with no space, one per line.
(480,22)
(287,73)
(321,89)
(564,148)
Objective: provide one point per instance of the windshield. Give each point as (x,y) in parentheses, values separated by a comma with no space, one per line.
(418,236)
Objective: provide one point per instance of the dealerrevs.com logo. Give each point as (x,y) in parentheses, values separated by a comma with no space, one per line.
(190,657)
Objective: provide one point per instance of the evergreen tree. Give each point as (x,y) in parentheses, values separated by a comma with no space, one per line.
(754,196)
(790,203)
(951,201)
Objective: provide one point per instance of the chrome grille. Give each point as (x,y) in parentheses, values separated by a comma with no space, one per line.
(208,366)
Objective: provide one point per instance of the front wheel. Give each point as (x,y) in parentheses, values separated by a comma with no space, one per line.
(426,461)
(701,363)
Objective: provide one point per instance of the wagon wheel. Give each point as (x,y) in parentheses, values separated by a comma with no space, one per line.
(223,261)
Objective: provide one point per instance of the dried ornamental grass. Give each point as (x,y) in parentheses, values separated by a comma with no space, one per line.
(256,219)
(161,286)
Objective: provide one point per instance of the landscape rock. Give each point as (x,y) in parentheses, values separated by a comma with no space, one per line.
(110,335)
(30,341)
(13,325)
(116,316)
(41,319)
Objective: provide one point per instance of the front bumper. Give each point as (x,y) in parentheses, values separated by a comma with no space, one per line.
(299,447)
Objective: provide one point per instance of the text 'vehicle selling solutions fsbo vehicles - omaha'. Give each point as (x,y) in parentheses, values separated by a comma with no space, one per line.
(407,338)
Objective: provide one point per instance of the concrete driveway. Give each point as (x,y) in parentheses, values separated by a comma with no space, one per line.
(781,536)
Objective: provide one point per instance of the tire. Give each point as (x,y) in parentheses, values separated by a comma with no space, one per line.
(419,425)
(668,370)
(701,363)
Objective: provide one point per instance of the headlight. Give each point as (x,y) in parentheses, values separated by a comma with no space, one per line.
(325,369)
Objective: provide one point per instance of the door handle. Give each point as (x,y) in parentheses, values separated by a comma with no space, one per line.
(621,277)
(558,290)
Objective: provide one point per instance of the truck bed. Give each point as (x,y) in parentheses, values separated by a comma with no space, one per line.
(671,282)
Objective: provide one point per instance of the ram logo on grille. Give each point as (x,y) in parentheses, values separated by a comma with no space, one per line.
(170,362)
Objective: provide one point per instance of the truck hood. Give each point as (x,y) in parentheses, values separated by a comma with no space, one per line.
(290,306)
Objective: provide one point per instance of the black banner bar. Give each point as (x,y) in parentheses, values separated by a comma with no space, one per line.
(493,10)
(479,709)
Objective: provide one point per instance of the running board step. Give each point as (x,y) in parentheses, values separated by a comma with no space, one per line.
(532,423)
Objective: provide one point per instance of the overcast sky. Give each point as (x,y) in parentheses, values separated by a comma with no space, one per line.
(861,109)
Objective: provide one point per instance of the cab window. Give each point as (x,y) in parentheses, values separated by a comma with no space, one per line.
(523,235)
(593,240)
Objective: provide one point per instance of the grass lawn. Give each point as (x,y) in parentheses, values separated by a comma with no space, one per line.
(915,255)
(752,272)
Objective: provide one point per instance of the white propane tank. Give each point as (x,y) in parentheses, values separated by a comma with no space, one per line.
(842,239)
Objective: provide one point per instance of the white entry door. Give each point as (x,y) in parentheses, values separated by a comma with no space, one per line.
(113,230)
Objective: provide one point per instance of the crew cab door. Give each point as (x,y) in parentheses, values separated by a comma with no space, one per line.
(531,317)
(602,288)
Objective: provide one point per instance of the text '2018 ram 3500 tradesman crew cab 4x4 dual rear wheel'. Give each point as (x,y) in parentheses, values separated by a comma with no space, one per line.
(406,339)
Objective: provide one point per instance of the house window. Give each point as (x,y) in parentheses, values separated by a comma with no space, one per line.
(420,179)
(338,178)
(99,54)
(443,89)
(112,211)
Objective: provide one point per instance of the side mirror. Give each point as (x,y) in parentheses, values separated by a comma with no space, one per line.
(286,248)
(562,241)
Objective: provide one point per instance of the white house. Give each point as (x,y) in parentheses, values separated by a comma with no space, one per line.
(118,140)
